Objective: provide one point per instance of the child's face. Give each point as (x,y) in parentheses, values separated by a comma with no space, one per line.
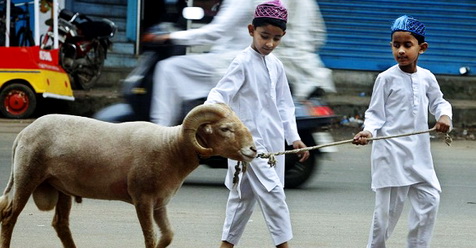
(265,38)
(406,50)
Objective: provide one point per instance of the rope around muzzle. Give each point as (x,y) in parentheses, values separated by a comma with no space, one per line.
(272,156)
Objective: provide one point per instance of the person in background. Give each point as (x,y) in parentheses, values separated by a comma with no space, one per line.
(256,88)
(402,168)
(299,52)
(189,77)
(47,11)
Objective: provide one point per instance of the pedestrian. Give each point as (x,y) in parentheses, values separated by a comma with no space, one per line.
(402,168)
(256,88)
(299,52)
(180,79)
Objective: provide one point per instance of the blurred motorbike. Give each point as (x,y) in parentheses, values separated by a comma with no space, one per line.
(312,116)
(83,42)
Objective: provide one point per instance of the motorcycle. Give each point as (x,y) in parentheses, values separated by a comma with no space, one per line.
(313,116)
(83,43)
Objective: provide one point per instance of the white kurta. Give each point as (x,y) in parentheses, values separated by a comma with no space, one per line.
(256,88)
(299,49)
(400,104)
(190,77)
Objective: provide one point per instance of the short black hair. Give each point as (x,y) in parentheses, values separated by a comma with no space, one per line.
(420,38)
(262,21)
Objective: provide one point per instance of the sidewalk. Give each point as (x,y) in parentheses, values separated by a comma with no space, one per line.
(89,102)
(353,97)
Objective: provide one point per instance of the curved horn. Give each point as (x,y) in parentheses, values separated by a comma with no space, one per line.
(200,115)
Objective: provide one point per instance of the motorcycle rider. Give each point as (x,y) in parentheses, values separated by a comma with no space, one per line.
(189,77)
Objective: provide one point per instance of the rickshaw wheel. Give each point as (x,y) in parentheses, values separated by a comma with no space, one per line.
(18,101)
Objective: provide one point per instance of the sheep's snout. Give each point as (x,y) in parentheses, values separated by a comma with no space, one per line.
(248,153)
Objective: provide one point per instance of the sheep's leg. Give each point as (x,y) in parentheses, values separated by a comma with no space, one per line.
(10,214)
(160,216)
(7,230)
(61,220)
(144,213)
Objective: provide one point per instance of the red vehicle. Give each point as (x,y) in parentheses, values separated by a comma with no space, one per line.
(28,74)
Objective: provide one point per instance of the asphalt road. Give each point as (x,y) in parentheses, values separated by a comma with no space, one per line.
(333,210)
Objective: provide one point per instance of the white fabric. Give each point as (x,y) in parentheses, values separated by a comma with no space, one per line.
(226,32)
(256,88)
(241,204)
(229,35)
(183,78)
(305,35)
(180,79)
(389,203)
(400,104)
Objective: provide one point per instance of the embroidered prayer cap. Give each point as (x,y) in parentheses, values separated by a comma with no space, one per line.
(409,24)
(272,9)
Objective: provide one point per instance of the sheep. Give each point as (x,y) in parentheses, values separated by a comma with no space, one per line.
(58,157)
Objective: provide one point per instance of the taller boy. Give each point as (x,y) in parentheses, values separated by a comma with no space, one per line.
(256,88)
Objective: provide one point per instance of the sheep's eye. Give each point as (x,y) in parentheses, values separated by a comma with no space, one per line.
(226,129)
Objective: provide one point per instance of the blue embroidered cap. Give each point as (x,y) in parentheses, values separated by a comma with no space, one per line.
(409,24)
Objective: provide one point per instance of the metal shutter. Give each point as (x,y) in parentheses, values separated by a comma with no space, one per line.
(359,33)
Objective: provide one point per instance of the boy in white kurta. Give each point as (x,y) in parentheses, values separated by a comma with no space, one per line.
(403,167)
(256,88)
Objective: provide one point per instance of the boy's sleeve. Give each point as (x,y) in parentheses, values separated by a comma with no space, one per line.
(375,114)
(228,86)
(231,13)
(438,106)
(287,110)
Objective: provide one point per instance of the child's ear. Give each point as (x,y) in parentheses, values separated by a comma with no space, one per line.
(251,29)
(423,47)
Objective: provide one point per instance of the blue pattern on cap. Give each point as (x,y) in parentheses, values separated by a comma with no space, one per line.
(409,24)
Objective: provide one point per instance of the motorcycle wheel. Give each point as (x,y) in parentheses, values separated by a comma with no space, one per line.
(18,101)
(298,173)
(87,76)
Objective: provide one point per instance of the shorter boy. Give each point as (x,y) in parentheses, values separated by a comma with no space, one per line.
(403,167)
(256,88)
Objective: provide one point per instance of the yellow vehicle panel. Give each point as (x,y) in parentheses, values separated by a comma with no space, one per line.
(49,83)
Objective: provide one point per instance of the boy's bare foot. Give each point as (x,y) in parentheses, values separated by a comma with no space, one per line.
(283,245)
(225,244)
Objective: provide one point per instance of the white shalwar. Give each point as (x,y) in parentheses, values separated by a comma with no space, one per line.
(403,167)
(256,88)
(190,77)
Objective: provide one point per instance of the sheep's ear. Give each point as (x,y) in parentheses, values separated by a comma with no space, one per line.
(207,128)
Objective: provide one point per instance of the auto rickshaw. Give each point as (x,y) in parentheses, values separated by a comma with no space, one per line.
(28,73)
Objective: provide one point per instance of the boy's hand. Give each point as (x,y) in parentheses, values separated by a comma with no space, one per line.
(443,124)
(302,155)
(361,138)
(160,39)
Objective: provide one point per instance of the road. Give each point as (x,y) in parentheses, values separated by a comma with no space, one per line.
(333,210)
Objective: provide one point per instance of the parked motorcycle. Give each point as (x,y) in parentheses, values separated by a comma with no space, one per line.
(312,116)
(83,42)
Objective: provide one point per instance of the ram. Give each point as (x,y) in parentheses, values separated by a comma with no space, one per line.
(61,157)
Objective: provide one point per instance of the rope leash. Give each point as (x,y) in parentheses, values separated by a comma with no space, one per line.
(272,160)
(272,156)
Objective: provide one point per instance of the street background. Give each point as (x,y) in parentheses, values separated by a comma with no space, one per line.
(334,210)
